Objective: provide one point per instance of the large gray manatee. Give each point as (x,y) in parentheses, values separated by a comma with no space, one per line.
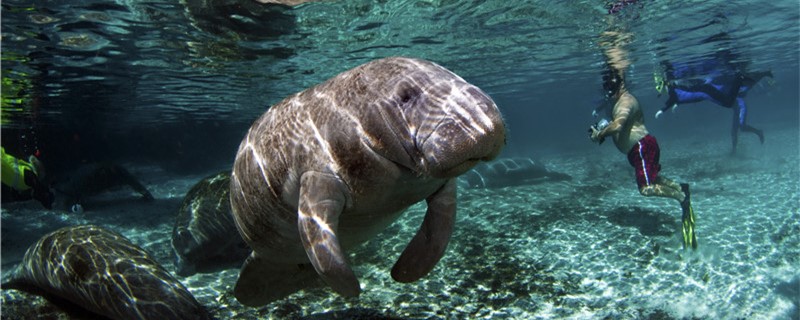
(103,272)
(330,167)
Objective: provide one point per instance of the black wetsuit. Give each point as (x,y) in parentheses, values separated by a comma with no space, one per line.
(721,88)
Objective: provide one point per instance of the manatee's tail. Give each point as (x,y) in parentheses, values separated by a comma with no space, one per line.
(261,282)
(14,279)
(558,176)
(689,239)
(130,180)
(18,279)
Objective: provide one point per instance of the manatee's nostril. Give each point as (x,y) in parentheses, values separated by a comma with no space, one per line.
(478,94)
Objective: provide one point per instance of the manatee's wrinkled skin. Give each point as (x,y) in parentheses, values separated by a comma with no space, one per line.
(103,272)
(330,167)
(205,238)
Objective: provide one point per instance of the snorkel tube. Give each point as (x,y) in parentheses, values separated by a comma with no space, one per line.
(658,78)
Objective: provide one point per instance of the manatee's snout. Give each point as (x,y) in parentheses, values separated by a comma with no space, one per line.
(183,268)
(471,131)
(184,246)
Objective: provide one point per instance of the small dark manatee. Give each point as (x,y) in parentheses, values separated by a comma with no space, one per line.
(94,178)
(103,272)
(330,167)
(508,172)
(205,238)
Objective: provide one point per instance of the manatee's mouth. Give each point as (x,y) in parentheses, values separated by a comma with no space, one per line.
(452,149)
(461,168)
(447,170)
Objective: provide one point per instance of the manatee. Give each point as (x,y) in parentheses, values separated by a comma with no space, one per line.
(330,167)
(103,272)
(94,178)
(205,238)
(291,3)
(508,172)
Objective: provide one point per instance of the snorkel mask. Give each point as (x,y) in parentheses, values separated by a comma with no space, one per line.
(611,82)
(658,78)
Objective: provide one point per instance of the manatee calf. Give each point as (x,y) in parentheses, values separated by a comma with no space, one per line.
(331,166)
(508,172)
(101,271)
(205,238)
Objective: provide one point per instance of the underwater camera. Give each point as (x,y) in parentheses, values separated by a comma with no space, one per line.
(599,126)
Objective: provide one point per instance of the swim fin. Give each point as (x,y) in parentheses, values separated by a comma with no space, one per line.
(689,239)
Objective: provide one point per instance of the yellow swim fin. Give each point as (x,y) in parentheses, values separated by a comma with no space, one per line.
(687,220)
(689,238)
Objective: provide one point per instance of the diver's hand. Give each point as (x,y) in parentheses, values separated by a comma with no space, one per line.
(595,135)
(672,109)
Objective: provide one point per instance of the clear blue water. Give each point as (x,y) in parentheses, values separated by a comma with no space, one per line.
(169,88)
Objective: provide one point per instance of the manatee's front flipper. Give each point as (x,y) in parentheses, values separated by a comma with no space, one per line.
(322,199)
(261,282)
(427,247)
(127,178)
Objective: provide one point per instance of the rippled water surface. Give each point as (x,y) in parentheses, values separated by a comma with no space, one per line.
(149,62)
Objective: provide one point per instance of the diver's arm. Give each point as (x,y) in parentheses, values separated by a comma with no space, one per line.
(41,192)
(612,128)
(672,102)
(621,114)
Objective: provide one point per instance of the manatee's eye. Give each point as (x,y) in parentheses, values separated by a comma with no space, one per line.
(183,233)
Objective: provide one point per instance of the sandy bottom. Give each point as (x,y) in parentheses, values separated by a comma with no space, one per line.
(588,248)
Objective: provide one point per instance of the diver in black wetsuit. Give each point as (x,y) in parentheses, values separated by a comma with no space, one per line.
(722,87)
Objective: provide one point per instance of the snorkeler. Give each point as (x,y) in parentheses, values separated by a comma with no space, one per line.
(631,137)
(23,180)
(627,128)
(723,89)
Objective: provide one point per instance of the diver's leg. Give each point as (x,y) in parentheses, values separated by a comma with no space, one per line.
(660,190)
(758,132)
(682,195)
(725,99)
(735,130)
(646,162)
(668,182)
(752,78)
(743,126)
